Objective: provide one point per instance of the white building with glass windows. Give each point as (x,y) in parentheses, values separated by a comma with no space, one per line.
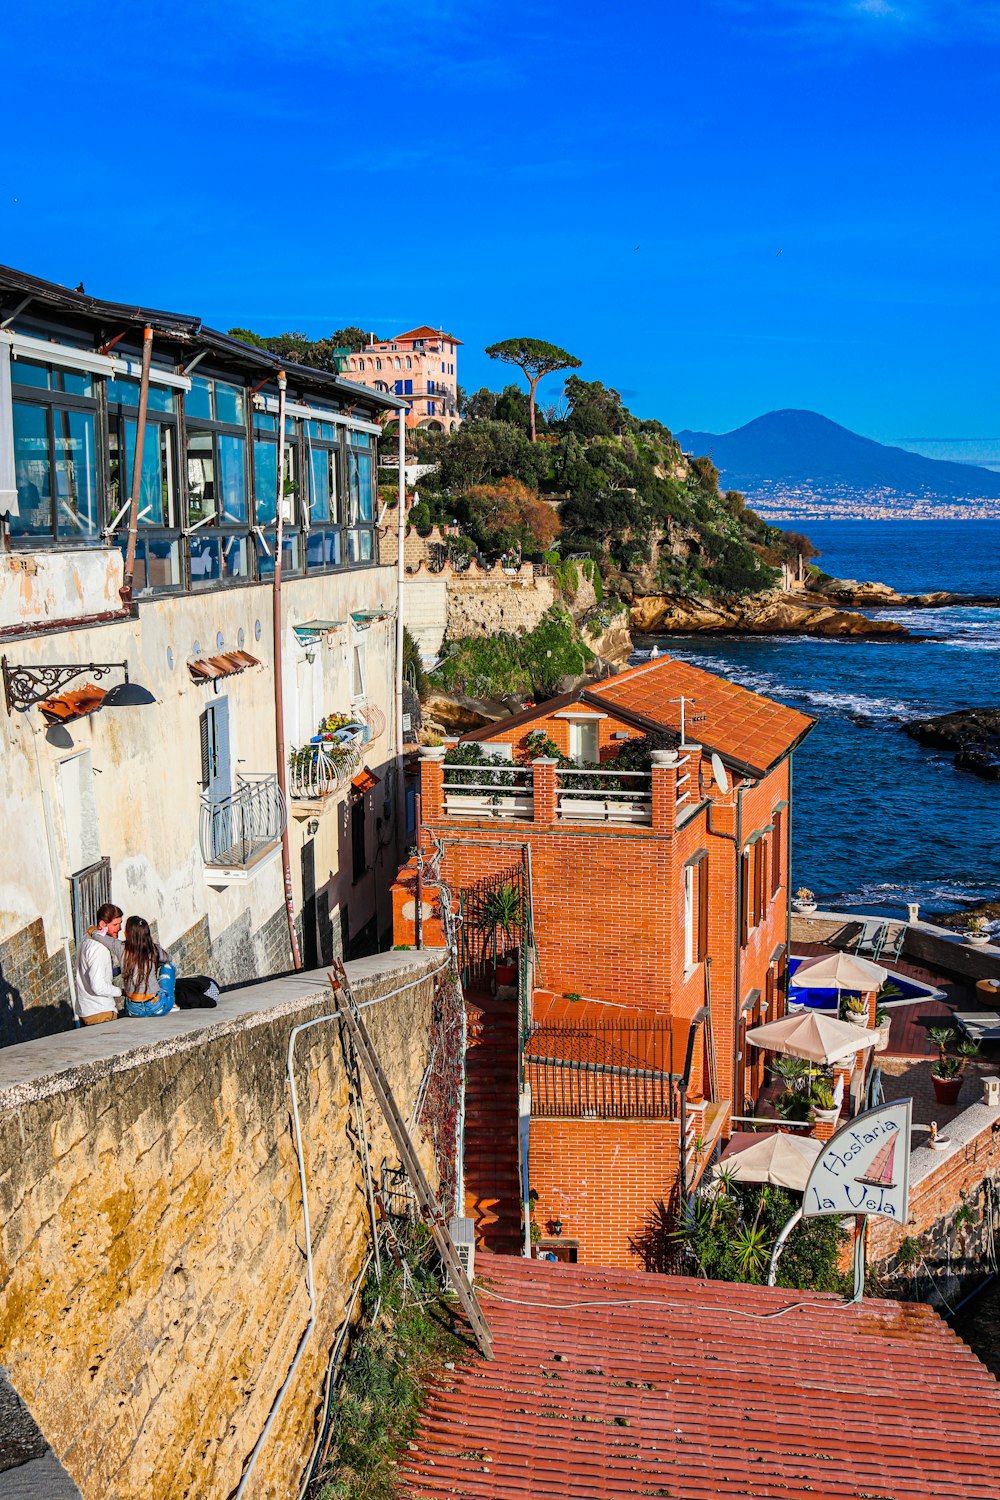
(174,807)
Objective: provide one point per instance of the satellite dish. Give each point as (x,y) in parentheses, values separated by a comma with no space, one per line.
(719,772)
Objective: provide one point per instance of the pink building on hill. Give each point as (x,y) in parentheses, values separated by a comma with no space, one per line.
(421,366)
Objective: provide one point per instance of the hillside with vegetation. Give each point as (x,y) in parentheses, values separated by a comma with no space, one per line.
(598,483)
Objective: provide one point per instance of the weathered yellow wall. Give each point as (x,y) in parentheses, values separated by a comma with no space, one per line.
(152,1272)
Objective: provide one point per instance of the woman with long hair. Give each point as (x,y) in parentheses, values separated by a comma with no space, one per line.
(141,961)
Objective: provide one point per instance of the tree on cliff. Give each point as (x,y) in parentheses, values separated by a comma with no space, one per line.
(534,358)
(503,516)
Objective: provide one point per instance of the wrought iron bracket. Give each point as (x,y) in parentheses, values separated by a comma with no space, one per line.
(25,686)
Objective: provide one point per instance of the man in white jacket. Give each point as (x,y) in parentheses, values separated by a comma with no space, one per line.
(96,992)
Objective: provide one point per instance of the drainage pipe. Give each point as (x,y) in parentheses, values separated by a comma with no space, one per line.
(736,839)
(400,581)
(279,700)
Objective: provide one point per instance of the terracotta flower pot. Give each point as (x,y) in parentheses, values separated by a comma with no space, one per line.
(506,974)
(946,1090)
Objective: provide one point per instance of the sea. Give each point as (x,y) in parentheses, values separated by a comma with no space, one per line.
(878,820)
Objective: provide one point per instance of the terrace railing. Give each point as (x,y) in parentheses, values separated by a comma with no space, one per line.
(489,791)
(598,796)
(687,793)
(602,1071)
(236,831)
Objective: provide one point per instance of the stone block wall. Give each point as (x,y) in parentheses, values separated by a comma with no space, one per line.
(954,1218)
(152,1258)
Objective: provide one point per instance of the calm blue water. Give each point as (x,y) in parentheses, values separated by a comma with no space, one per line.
(878,820)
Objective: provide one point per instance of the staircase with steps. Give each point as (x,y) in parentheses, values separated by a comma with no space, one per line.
(492,1186)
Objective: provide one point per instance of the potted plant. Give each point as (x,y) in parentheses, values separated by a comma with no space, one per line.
(977,931)
(882,1024)
(946,1076)
(793,1105)
(503,911)
(824,1108)
(856,1010)
(805,901)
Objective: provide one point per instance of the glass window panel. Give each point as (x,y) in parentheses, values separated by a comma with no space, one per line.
(198,401)
(163,562)
(153,481)
(360,465)
(236,556)
(123,392)
(201,477)
(265,421)
(75,471)
(161,398)
(361,439)
(322,489)
(75,382)
(290,554)
(26,372)
(232,479)
(228,403)
(206,558)
(32,471)
(265,482)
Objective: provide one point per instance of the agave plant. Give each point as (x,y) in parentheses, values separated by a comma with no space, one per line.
(751,1250)
(503,910)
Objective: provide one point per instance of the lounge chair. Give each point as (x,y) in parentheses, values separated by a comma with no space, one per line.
(979,1025)
(871,937)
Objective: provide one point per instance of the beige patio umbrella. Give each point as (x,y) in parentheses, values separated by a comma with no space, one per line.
(812,1035)
(844,971)
(783,1159)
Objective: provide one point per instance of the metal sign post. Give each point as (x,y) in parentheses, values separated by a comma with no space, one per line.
(864,1171)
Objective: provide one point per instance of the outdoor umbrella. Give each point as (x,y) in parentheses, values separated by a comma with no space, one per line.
(843,971)
(785,1160)
(811,1035)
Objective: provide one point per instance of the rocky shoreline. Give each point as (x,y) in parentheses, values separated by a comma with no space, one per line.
(828,607)
(972,733)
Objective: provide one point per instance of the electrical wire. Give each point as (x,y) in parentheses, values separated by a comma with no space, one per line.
(780,1312)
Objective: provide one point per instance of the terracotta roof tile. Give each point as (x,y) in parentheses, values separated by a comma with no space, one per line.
(745,727)
(613,1383)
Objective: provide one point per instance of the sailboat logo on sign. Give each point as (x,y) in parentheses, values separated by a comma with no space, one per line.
(865,1167)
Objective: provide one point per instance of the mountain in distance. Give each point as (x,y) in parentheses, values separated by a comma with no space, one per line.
(803,450)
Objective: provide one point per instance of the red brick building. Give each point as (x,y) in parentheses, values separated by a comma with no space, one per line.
(659,913)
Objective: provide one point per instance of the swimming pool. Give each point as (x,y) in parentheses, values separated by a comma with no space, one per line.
(898,989)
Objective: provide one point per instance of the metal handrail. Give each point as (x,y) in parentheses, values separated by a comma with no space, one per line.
(234,830)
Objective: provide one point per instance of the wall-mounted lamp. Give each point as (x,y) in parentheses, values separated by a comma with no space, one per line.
(23,687)
(312,827)
(556,1227)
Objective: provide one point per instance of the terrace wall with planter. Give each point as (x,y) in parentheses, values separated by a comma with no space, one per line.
(954,1213)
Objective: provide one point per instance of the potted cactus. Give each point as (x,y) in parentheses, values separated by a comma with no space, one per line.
(824,1108)
(856,1010)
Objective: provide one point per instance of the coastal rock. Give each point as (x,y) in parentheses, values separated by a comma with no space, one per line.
(457,715)
(775,613)
(973,733)
(989,910)
(864,595)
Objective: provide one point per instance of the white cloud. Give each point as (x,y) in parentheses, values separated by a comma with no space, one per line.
(884,22)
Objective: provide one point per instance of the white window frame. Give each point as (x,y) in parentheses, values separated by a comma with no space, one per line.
(690,910)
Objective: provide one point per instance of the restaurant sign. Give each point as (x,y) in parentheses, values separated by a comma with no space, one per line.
(865,1167)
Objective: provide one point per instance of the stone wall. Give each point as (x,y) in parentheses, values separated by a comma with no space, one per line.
(953,1228)
(152,1265)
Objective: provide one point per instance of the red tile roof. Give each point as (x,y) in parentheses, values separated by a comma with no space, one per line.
(675,1387)
(752,731)
(425,332)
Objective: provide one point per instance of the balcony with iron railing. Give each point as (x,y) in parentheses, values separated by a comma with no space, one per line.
(240,832)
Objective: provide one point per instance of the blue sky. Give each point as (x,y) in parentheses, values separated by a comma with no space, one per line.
(617,179)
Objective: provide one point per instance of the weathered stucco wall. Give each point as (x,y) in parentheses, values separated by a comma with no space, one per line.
(126,783)
(152,1267)
(39,588)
